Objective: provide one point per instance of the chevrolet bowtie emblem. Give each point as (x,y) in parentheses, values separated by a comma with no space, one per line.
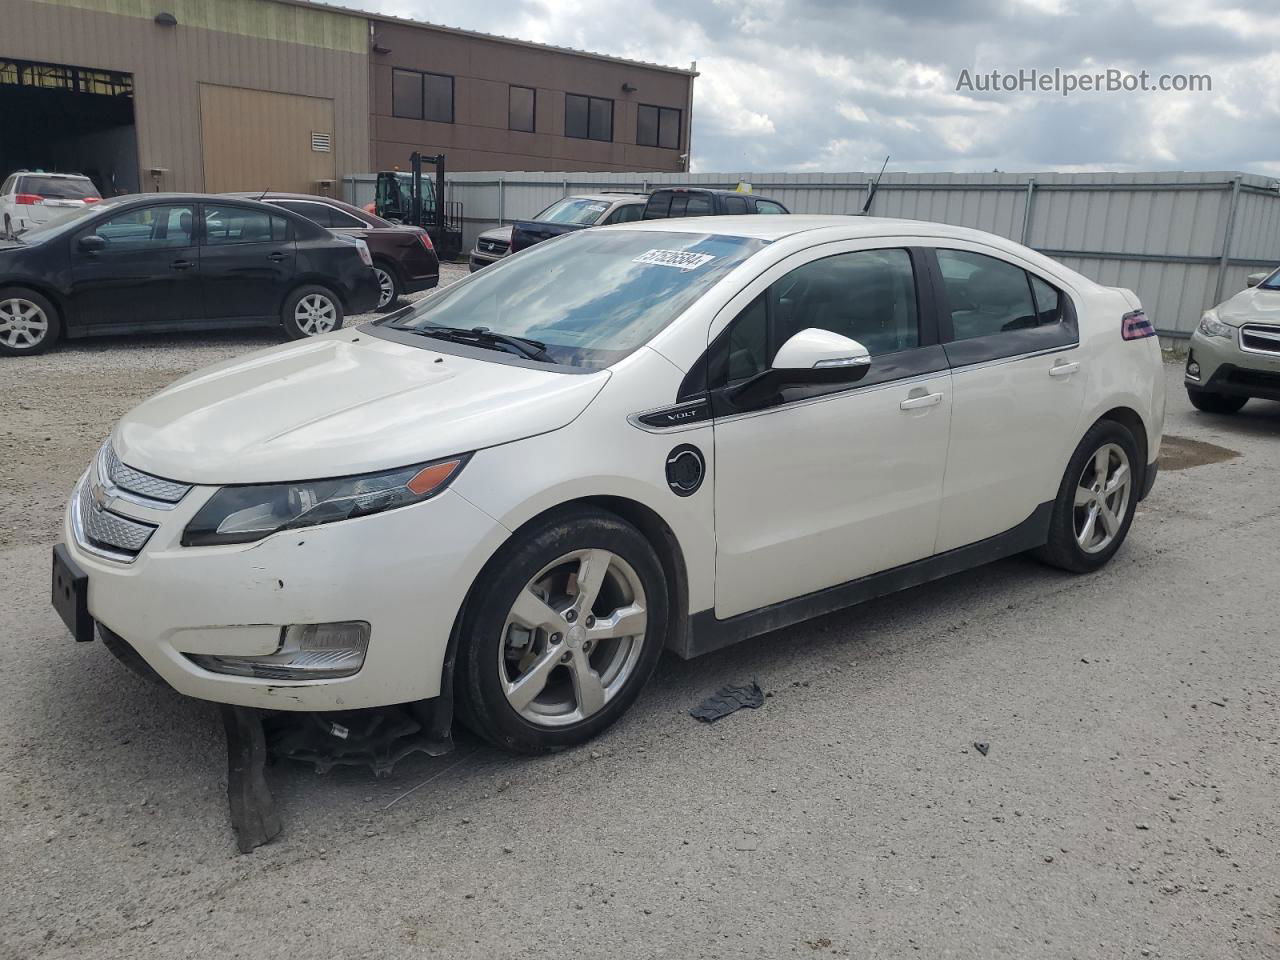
(103,496)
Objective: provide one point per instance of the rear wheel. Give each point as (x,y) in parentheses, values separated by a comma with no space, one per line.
(1096,500)
(29,323)
(1211,402)
(562,632)
(310,311)
(389,286)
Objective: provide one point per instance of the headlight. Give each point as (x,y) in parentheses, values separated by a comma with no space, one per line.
(1211,326)
(249,513)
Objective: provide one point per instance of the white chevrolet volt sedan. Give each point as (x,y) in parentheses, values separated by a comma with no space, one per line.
(665,435)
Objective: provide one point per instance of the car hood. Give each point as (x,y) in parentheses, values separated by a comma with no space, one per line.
(1254,305)
(496,233)
(343,403)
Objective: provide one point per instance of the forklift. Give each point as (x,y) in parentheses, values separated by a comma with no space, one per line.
(407,198)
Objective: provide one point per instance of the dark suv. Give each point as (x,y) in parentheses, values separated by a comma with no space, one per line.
(669,202)
(403,257)
(157,262)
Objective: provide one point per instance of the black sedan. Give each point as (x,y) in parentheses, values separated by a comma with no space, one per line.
(161,262)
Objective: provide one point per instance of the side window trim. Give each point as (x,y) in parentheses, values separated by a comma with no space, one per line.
(1007,345)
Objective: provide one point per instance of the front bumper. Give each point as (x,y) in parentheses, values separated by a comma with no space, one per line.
(405,572)
(478,259)
(1227,368)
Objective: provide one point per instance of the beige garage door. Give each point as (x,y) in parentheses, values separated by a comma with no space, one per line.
(258,140)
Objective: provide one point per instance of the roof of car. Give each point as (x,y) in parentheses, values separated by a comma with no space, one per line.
(50,173)
(608,197)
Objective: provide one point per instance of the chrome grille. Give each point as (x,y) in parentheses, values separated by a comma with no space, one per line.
(492,246)
(146,488)
(1260,339)
(104,532)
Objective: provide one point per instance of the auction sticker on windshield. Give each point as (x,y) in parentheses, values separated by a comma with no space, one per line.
(680,259)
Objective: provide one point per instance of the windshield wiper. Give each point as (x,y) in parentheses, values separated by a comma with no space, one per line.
(486,338)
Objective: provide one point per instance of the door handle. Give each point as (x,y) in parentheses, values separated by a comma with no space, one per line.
(182,264)
(1064,369)
(275,257)
(915,403)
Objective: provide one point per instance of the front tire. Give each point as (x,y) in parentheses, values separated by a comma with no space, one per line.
(1096,500)
(1210,402)
(310,311)
(29,323)
(564,628)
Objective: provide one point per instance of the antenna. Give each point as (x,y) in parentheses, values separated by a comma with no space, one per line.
(871,194)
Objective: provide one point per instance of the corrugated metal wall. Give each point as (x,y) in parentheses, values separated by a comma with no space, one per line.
(1163,235)
(264,46)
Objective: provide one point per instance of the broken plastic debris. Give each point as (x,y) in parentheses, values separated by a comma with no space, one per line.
(728,700)
(982,746)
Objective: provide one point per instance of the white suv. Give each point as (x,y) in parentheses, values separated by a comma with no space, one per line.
(673,434)
(38,199)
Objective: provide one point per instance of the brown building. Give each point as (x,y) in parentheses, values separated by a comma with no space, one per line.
(288,95)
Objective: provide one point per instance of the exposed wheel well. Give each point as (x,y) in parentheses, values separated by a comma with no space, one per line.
(1129,419)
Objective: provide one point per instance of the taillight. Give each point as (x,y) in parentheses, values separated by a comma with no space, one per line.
(425,240)
(91,199)
(363,249)
(28,199)
(1134,325)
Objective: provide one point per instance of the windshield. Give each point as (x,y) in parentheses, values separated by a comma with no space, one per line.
(592,296)
(1272,282)
(74,219)
(573,210)
(58,188)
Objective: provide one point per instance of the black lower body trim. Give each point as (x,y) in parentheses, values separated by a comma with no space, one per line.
(706,633)
(1235,381)
(1149,479)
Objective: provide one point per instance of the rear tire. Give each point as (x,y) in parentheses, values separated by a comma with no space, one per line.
(1210,402)
(29,323)
(1096,500)
(310,311)
(546,659)
(389,286)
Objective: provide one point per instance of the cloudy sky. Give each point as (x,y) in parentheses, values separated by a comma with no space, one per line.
(823,85)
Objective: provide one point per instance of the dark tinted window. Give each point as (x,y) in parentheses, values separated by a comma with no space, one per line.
(1048,301)
(658,127)
(699,205)
(868,296)
(521,108)
(315,212)
(768,206)
(588,118)
(406,94)
(735,205)
(986,296)
(146,228)
(626,214)
(342,219)
(422,96)
(57,188)
(228,225)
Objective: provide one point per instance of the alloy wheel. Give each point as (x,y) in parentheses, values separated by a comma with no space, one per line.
(386,287)
(23,324)
(1102,498)
(573,638)
(315,314)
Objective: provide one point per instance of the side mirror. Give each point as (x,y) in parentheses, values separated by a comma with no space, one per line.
(1255,278)
(92,243)
(811,357)
(814,355)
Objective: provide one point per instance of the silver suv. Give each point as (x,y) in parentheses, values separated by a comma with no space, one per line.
(1235,351)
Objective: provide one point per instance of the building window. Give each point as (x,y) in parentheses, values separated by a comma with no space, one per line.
(422,96)
(658,127)
(588,118)
(520,109)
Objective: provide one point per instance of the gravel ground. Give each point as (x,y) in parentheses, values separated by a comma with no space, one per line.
(1127,806)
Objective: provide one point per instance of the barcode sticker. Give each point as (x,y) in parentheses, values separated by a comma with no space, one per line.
(680,259)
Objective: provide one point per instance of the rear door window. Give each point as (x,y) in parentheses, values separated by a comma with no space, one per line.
(986,296)
(699,205)
(226,225)
(734,205)
(768,206)
(315,212)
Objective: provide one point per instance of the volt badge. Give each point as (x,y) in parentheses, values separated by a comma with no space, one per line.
(685,470)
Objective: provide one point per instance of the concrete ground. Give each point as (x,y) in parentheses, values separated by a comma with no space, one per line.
(1127,806)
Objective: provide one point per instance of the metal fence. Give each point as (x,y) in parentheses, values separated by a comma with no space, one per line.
(1182,241)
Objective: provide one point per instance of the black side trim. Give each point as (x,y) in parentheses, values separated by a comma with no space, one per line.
(678,414)
(1149,479)
(1237,381)
(706,633)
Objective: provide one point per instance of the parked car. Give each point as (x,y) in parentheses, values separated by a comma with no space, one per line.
(672,434)
(491,246)
(1235,351)
(702,202)
(403,258)
(577,213)
(29,200)
(160,262)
